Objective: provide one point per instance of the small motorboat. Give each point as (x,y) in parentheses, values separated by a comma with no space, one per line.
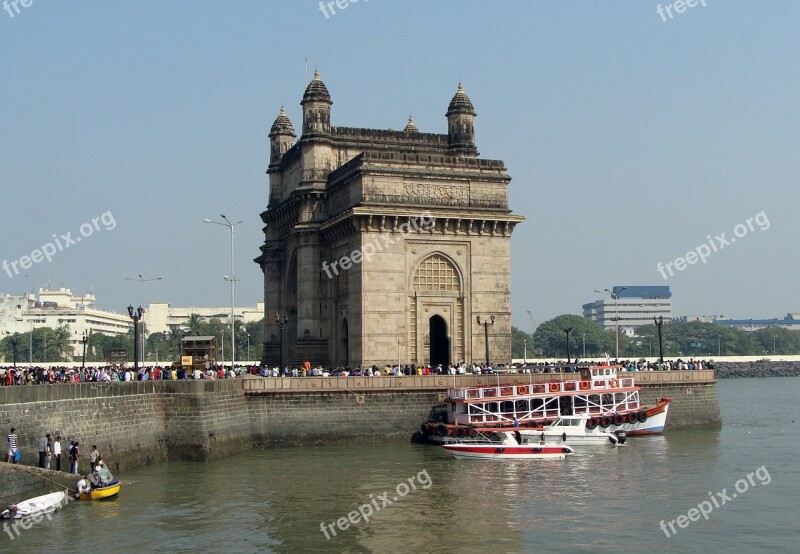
(573,430)
(39,505)
(98,493)
(505,446)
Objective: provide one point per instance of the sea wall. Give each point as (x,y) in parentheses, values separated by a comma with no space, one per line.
(132,424)
(20,482)
(757,368)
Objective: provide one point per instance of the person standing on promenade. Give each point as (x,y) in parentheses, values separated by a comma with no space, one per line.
(74,456)
(12,447)
(57,452)
(43,449)
(93,456)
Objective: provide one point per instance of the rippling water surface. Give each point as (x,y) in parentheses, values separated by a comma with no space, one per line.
(600,500)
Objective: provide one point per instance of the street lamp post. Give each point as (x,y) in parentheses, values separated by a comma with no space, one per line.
(567,331)
(659,323)
(584,345)
(615,297)
(774,338)
(30,345)
(142,280)
(486,324)
(719,345)
(84,339)
(232,279)
(282,322)
(136,316)
(14,344)
(525,352)
(248,347)
(650,347)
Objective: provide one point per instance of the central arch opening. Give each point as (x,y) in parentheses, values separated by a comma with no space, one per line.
(440,342)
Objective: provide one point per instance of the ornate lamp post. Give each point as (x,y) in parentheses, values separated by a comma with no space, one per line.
(567,332)
(142,280)
(615,297)
(14,344)
(282,323)
(84,339)
(486,324)
(136,316)
(659,322)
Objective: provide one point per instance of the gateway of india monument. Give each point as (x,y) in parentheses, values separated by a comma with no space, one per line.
(383,246)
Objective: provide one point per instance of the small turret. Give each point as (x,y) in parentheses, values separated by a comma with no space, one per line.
(316,107)
(461,124)
(281,137)
(410,127)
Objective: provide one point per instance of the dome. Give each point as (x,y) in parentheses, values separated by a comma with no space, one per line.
(460,103)
(282,125)
(410,127)
(316,90)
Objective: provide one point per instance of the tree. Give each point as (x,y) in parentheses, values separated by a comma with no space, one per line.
(518,338)
(550,337)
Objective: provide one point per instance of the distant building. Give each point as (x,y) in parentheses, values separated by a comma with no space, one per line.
(162,317)
(633,306)
(57,308)
(791,321)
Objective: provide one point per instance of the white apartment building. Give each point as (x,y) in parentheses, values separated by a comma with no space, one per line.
(631,306)
(161,317)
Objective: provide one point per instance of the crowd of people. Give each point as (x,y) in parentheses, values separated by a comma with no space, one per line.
(53,375)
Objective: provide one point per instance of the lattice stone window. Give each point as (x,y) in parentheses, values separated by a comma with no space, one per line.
(436,273)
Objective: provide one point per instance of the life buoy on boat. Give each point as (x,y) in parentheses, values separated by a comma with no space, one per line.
(554,387)
(618,419)
(458,432)
(585,385)
(613,383)
(642,417)
(522,390)
(591,423)
(605,421)
(631,417)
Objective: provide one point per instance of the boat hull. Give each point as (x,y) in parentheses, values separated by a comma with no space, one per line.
(102,492)
(493,452)
(39,505)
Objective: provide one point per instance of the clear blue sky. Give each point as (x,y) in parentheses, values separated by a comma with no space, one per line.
(629,139)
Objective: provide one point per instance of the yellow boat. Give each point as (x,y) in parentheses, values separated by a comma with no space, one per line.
(112,489)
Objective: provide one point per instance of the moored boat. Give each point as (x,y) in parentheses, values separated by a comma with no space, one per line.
(599,394)
(574,431)
(98,493)
(39,505)
(505,446)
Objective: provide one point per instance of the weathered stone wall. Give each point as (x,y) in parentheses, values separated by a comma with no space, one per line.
(132,424)
(693,404)
(20,482)
(760,368)
(294,418)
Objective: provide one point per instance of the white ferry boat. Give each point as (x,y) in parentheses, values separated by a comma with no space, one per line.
(597,393)
(572,430)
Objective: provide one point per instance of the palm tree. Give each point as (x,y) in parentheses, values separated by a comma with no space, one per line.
(195,325)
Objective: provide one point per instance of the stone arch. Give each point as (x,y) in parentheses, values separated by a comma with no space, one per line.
(437,272)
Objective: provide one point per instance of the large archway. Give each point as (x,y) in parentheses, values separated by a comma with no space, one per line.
(440,342)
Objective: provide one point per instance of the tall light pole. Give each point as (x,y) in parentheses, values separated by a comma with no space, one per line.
(615,297)
(142,280)
(232,279)
(525,352)
(84,340)
(719,345)
(282,322)
(248,347)
(567,330)
(659,323)
(774,337)
(136,316)
(486,324)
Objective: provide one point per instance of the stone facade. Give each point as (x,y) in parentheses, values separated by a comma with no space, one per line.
(384,245)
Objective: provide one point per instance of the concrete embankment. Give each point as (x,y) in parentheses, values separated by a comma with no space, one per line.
(758,368)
